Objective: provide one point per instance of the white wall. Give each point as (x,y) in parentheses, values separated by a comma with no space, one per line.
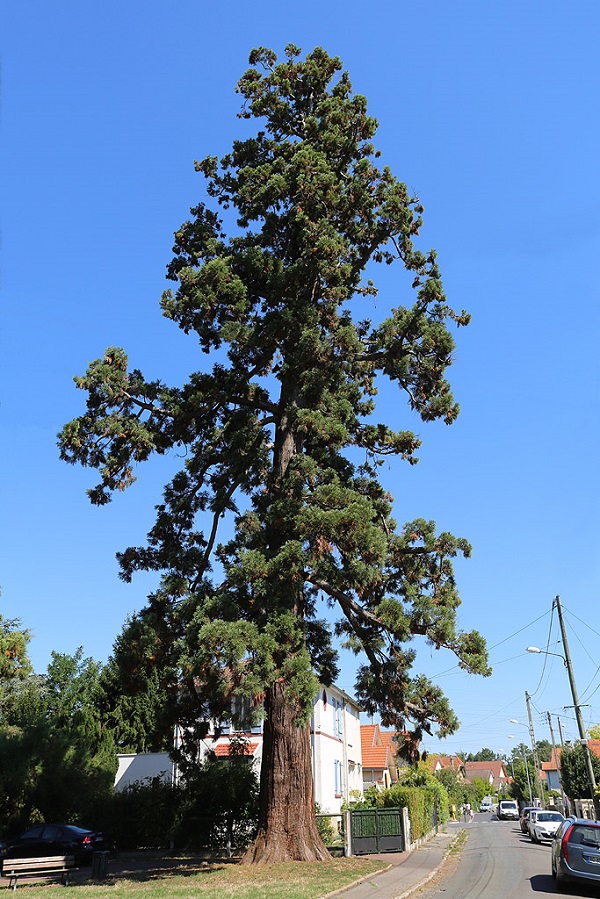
(336,749)
(143,768)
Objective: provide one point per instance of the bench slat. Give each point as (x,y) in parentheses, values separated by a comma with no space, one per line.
(47,866)
(45,862)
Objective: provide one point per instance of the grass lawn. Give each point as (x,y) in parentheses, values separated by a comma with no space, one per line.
(292,880)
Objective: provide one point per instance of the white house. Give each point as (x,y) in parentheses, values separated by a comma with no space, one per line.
(336,749)
(335,752)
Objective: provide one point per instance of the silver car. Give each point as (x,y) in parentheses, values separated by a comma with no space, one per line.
(576,852)
(543,824)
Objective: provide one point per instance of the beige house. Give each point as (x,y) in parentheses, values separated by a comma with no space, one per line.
(379,749)
(492,772)
(447,763)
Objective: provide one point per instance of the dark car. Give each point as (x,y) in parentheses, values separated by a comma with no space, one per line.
(524,817)
(55,839)
(576,852)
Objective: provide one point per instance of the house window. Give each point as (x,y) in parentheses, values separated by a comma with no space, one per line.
(338,718)
(338,776)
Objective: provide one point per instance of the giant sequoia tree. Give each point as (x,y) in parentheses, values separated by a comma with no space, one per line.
(281,432)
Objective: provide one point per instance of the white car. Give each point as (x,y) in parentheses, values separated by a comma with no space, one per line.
(486,806)
(508,810)
(543,824)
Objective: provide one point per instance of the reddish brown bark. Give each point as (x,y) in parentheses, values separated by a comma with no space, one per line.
(287,829)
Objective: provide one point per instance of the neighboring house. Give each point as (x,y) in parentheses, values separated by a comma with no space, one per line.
(379,750)
(447,763)
(335,739)
(492,772)
(143,767)
(550,771)
(594,747)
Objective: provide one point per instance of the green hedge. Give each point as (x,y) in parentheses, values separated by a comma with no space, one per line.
(425,804)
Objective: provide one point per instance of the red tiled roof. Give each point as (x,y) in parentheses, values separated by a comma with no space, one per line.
(223,750)
(495,767)
(594,746)
(454,762)
(378,747)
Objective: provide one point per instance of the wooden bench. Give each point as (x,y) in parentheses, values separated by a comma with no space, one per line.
(48,867)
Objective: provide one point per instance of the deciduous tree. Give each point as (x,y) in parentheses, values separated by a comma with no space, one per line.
(282,434)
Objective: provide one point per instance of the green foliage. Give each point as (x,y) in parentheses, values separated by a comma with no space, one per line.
(419,791)
(484,755)
(217,804)
(420,802)
(452,784)
(574,775)
(143,816)
(57,761)
(594,732)
(480,787)
(544,750)
(420,775)
(15,667)
(137,695)
(523,777)
(281,434)
(324,826)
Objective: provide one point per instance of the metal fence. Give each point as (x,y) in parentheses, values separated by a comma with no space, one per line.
(377,830)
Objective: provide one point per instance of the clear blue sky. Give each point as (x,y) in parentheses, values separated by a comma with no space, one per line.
(489,111)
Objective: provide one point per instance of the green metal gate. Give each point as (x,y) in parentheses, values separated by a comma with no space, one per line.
(376,830)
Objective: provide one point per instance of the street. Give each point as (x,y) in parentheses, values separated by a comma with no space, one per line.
(498,862)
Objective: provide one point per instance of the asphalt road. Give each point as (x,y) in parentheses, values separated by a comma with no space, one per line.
(498,862)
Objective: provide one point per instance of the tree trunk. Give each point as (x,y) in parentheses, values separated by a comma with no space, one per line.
(287,827)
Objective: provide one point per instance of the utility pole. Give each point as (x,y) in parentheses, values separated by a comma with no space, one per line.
(554,753)
(582,734)
(560,730)
(536,761)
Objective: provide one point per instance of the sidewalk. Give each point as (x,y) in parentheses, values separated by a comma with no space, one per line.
(408,871)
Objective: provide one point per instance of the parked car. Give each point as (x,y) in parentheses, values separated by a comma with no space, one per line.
(543,824)
(524,817)
(486,805)
(576,852)
(508,810)
(55,839)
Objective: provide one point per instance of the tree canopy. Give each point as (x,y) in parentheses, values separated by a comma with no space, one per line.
(281,432)
(574,773)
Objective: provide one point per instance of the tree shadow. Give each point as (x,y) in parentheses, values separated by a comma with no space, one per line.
(153,871)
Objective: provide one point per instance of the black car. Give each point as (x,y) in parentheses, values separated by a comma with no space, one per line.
(55,839)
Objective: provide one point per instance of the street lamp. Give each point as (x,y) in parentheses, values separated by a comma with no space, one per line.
(536,764)
(546,653)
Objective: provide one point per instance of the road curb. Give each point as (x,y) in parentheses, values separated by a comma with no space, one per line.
(434,871)
(412,889)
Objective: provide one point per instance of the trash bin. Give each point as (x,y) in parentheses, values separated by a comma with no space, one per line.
(99,865)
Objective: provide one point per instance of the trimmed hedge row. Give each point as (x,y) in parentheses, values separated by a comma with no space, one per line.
(427,804)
